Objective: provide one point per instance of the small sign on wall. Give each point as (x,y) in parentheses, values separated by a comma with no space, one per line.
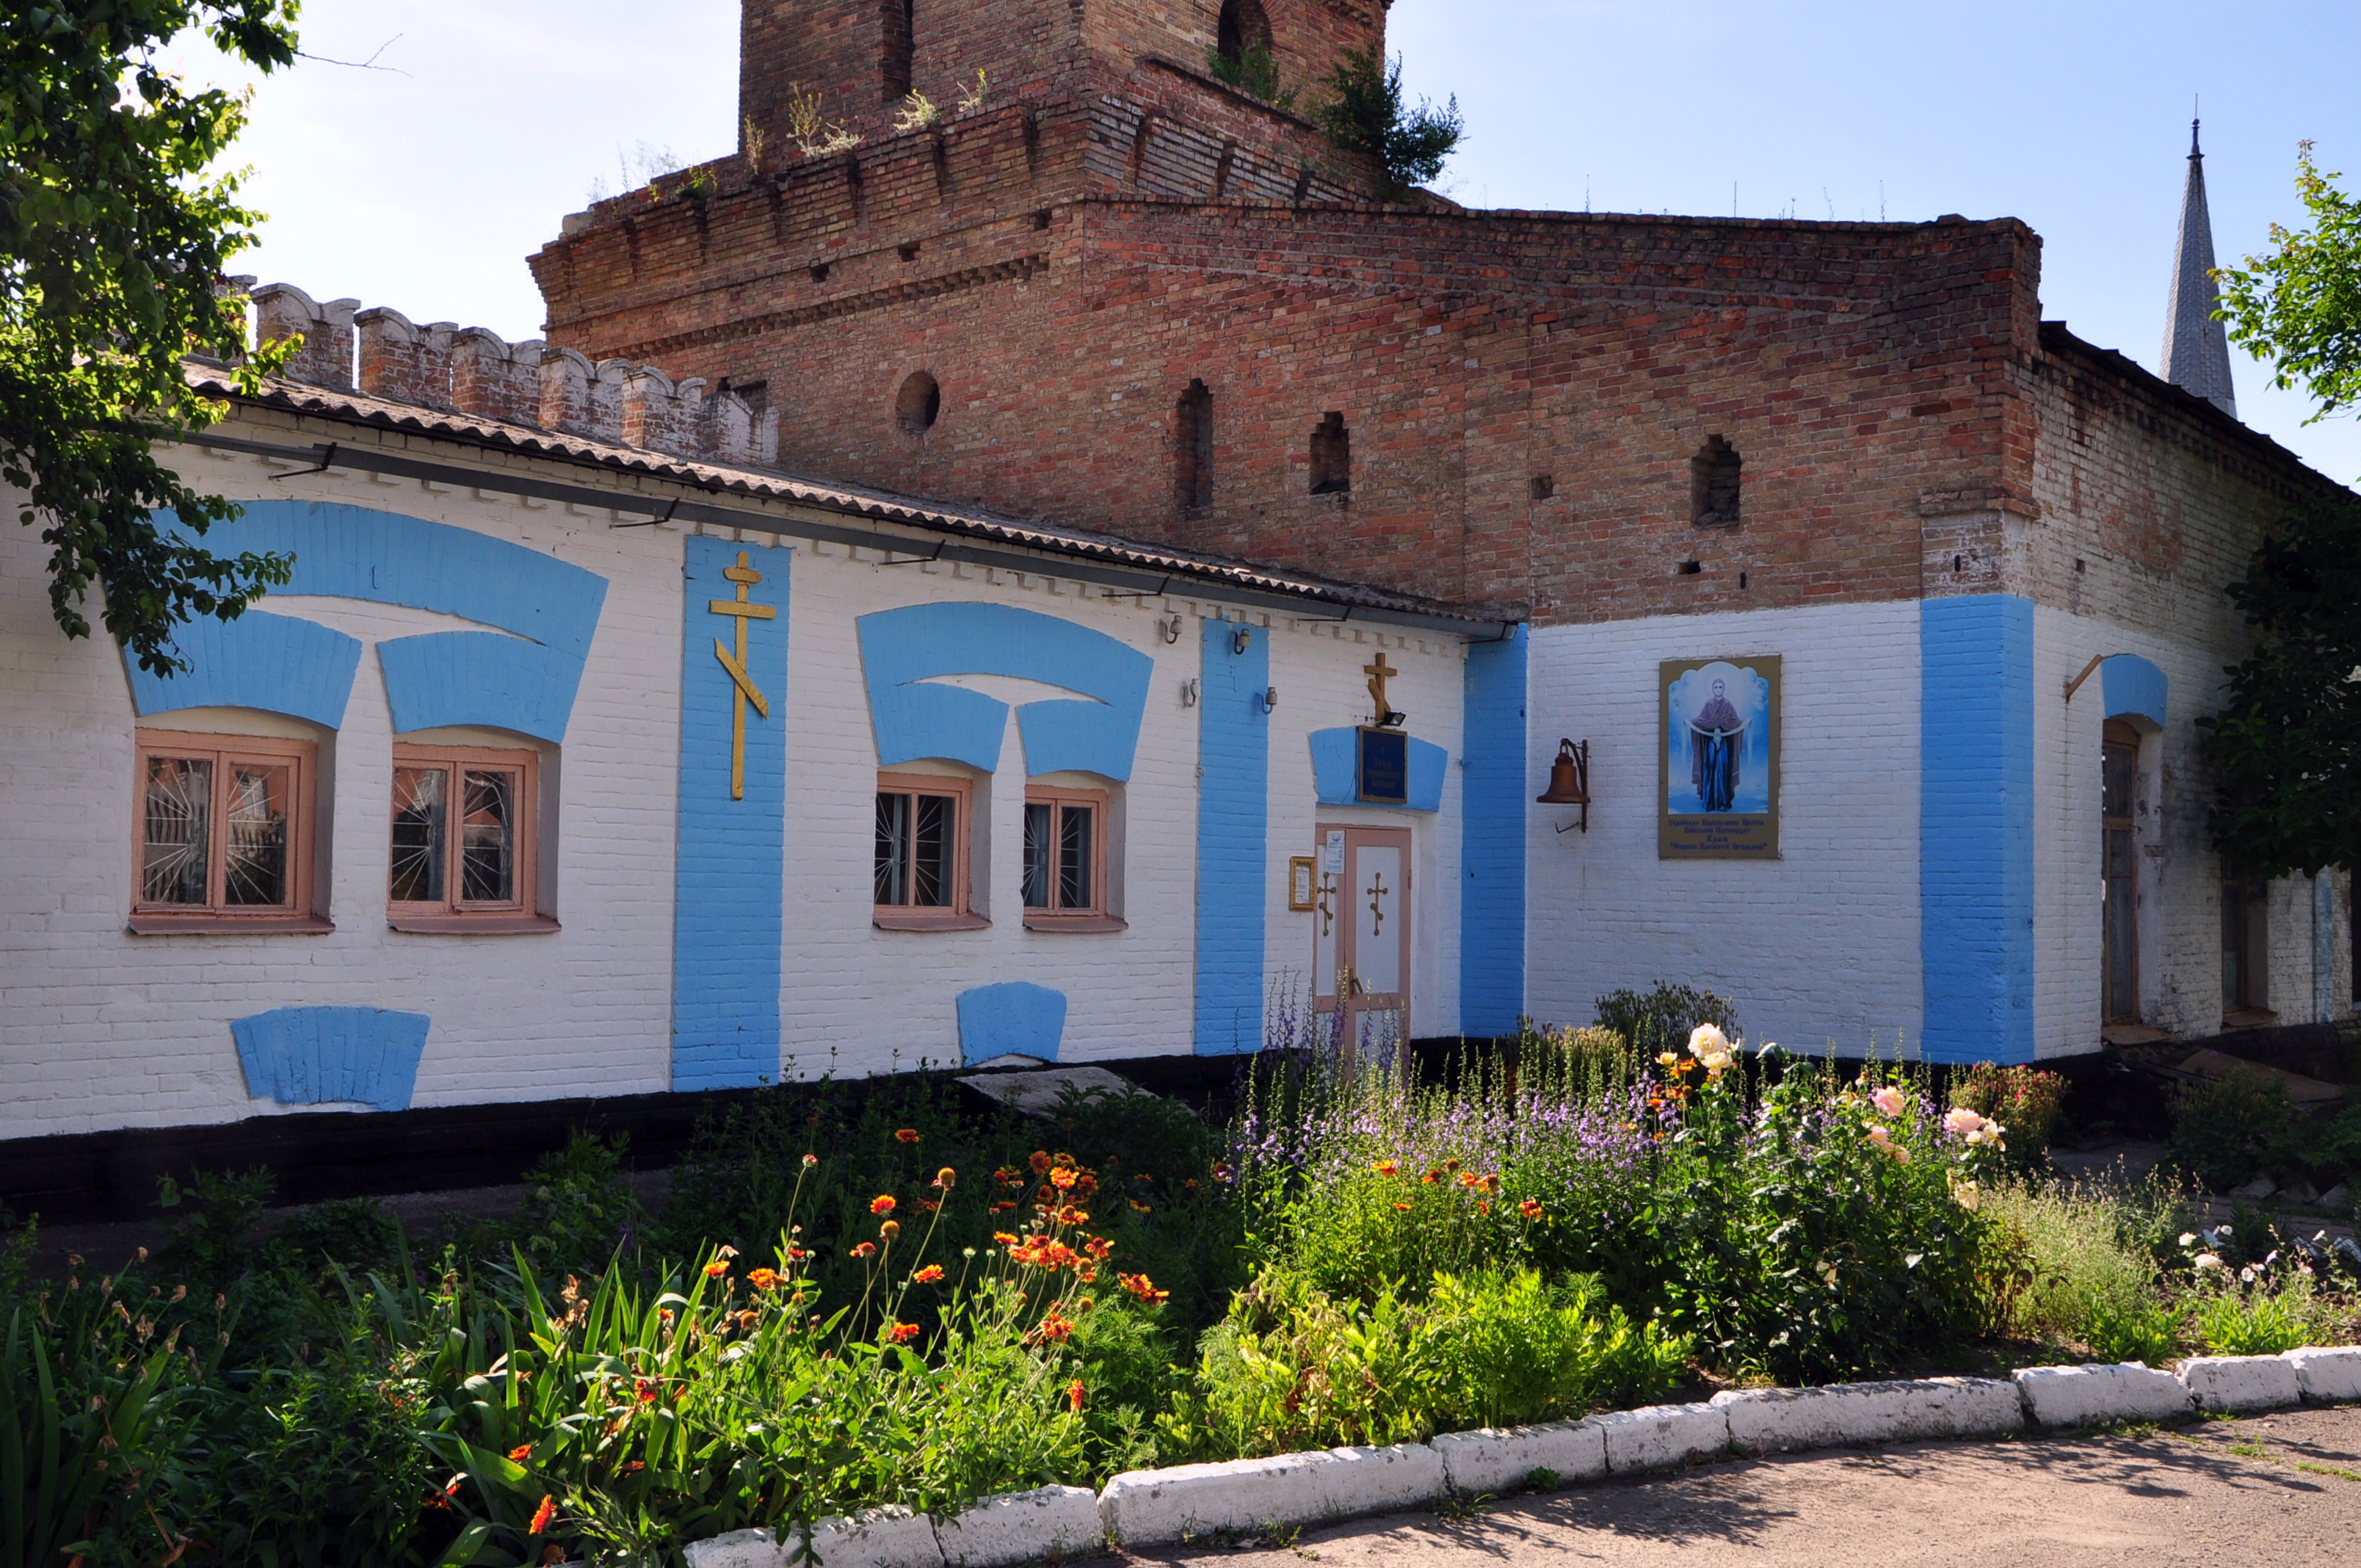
(1383,767)
(1718,795)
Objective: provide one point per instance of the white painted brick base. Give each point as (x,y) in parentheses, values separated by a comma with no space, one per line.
(1498,1459)
(876,1538)
(2327,1375)
(1657,1436)
(1021,1526)
(2094,1395)
(1152,1508)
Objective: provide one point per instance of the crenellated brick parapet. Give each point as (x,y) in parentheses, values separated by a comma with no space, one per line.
(473,370)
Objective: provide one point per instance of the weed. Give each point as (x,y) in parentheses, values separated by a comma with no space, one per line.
(2336,1470)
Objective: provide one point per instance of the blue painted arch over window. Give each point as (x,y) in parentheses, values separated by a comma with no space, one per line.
(905,653)
(2133,686)
(525,682)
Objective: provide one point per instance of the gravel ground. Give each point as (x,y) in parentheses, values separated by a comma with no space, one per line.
(2281,1489)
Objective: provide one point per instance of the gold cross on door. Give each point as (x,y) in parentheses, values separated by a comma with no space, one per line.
(745,691)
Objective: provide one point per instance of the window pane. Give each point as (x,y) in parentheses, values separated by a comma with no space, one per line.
(1037,832)
(255,868)
(931,882)
(179,817)
(893,848)
(2121,767)
(488,839)
(1074,858)
(419,817)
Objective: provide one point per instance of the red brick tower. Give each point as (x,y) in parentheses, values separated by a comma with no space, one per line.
(1121,294)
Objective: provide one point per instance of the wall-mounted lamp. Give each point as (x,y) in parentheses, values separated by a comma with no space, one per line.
(1241,639)
(1189,692)
(1170,626)
(1392,719)
(1570,780)
(1269,699)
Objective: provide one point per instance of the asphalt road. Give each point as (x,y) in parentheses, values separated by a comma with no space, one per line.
(2281,1489)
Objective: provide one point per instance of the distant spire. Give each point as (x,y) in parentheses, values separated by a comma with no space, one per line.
(2196,349)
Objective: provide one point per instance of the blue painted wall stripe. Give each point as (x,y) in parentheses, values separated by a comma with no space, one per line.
(1975,827)
(729,922)
(1232,838)
(1336,771)
(480,678)
(1492,840)
(275,662)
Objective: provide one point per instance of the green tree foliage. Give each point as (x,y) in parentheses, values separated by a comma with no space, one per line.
(2301,306)
(2286,745)
(113,237)
(1362,111)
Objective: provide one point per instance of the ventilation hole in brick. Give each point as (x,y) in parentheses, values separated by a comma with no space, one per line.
(898,27)
(819,273)
(1691,568)
(906,252)
(1713,484)
(1332,456)
(1192,446)
(1741,579)
(918,404)
(1957,562)
(1544,486)
(1041,219)
(2078,563)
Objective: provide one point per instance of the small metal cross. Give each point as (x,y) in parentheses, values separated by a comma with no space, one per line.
(745,691)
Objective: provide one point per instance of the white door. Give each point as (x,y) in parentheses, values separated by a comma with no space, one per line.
(1361,943)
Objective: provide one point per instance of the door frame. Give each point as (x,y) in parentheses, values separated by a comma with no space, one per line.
(1333,906)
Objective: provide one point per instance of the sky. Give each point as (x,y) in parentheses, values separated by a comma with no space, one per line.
(425,180)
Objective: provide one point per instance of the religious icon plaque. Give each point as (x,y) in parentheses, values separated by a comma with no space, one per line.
(1718,759)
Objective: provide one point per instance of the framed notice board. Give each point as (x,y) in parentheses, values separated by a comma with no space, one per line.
(1381,769)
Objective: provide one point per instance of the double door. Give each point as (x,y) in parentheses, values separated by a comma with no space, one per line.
(1361,951)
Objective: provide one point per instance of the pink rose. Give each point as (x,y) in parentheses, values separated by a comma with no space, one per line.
(1889,1100)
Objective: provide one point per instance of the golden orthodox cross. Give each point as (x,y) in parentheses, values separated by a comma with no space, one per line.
(745,577)
(1378,891)
(1378,673)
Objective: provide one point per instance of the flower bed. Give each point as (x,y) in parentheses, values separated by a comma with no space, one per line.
(894,1303)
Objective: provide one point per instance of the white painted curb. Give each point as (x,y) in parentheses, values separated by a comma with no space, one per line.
(1020,1526)
(2241,1383)
(2327,1374)
(1155,1507)
(1778,1420)
(875,1537)
(2094,1395)
(1499,1458)
(1655,1437)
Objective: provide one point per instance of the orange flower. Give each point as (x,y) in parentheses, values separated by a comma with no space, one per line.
(890,1229)
(543,1515)
(646,1390)
(521,1452)
(1141,1207)
(928,1274)
(903,1333)
(1002,1238)
(946,1178)
(1469,1179)
(716,1269)
(1431,1177)
(1061,1176)
(906,1135)
(881,1205)
(1074,1396)
(1144,1289)
(928,1206)
(866,1249)
(1098,1247)
(763,1279)
(1040,1161)
(1484,1208)
(1530,1208)
(1064,1162)
(1388,1167)
(1405,1206)
(1057,1329)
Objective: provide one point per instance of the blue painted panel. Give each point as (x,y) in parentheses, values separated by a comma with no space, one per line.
(1016,1017)
(728,920)
(271,661)
(1233,839)
(350,552)
(1335,769)
(1492,806)
(903,650)
(2133,685)
(1975,827)
(480,678)
(330,1056)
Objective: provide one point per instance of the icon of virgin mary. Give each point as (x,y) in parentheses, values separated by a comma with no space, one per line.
(1716,737)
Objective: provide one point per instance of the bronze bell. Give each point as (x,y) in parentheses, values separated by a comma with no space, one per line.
(1569,782)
